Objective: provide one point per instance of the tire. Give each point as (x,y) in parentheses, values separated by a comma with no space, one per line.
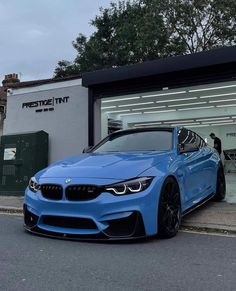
(169,209)
(220,185)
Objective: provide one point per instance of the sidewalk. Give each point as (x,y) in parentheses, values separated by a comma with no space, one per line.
(215,216)
(12,204)
(211,217)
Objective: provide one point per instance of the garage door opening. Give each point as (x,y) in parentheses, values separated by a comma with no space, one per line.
(203,109)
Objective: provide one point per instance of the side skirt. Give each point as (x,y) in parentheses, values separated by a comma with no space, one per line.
(200,203)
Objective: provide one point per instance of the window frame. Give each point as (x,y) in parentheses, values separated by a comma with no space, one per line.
(195,135)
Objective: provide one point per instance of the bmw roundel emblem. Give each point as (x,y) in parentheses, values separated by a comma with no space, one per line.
(67,181)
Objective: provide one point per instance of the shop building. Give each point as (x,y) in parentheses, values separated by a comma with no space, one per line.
(60,108)
(197,91)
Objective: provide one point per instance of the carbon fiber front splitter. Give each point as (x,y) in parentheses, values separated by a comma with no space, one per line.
(98,237)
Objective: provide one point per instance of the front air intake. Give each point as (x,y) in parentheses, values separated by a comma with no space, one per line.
(69,222)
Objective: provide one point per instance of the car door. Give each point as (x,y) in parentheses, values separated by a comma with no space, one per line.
(209,167)
(193,168)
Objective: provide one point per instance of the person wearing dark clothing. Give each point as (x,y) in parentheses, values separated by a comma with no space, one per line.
(217,143)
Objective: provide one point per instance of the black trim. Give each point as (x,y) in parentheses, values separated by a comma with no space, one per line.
(30,219)
(41,232)
(131,130)
(196,61)
(52,191)
(131,226)
(200,203)
(83,192)
(92,237)
(90,117)
(172,80)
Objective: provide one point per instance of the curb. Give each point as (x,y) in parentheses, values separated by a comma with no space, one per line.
(208,230)
(10,209)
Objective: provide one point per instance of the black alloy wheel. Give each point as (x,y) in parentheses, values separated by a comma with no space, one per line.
(169,211)
(220,185)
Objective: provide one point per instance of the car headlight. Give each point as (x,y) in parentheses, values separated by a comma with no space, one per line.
(34,185)
(130,186)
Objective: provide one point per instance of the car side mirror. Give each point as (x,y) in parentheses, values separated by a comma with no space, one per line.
(188,148)
(87,149)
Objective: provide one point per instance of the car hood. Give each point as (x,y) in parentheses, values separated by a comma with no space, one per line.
(112,165)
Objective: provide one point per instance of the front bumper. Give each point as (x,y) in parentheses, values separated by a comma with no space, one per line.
(124,228)
(105,217)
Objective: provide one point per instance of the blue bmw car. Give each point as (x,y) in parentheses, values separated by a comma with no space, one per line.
(134,183)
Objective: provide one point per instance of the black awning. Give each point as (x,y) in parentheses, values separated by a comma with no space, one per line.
(184,66)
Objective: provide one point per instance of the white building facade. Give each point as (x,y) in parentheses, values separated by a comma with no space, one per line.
(58,108)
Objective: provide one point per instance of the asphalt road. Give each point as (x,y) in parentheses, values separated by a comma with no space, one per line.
(187,262)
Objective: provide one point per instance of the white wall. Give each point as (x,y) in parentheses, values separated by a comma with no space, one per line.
(67,125)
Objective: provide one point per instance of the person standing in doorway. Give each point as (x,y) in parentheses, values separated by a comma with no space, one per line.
(217,143)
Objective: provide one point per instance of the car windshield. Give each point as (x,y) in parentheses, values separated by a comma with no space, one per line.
(152,140)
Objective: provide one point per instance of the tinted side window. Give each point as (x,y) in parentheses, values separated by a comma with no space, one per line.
(202,142)
(198,140)
(185,136)
(193,139)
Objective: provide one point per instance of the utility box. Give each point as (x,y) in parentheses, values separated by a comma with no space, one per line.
(21,156)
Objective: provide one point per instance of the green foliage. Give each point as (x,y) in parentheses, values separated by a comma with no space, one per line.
(135,31)
(66,68)
(202,25)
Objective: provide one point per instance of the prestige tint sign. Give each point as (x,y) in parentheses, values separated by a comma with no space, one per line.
(45,105)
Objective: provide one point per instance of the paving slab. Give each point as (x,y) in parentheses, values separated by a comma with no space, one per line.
(231,187)
(11,201)
(213,215)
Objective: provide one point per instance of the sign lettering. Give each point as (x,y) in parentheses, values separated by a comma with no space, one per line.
(45,104)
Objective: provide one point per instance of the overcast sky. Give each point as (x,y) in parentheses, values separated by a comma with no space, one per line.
(35,35)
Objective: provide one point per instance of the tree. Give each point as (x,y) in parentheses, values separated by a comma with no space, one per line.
(202,25)
(135,31)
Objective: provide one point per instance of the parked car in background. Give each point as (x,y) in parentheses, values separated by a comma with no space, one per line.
(134,183)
